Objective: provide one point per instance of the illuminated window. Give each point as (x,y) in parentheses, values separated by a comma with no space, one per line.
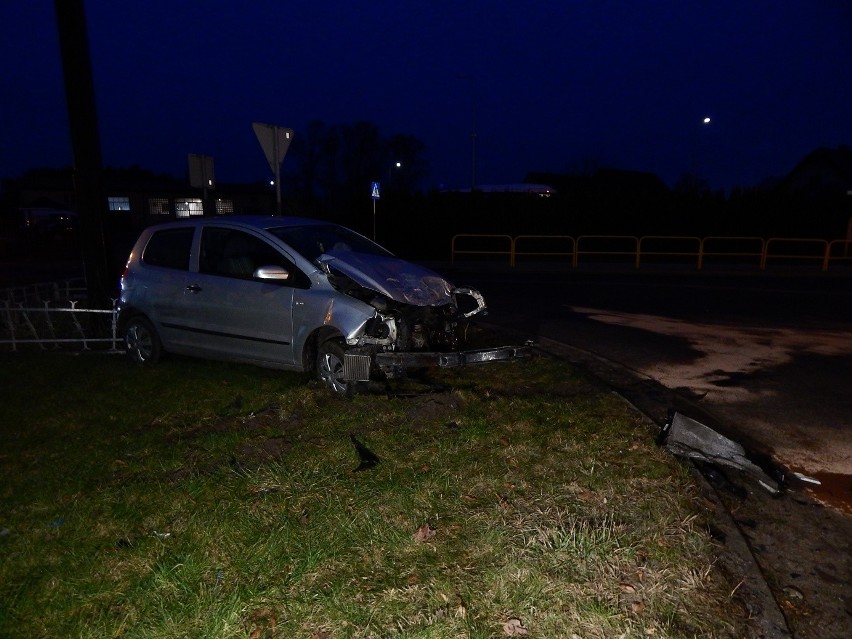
(224,207)
(158,206)
(189,207)
(119,203)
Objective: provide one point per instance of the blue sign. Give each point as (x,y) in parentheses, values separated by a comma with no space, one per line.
(374,189)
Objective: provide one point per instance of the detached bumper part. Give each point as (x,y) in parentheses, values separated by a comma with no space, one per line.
(391,364)
(356,368)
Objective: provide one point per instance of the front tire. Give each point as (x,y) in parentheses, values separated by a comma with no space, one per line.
(142,342)
(329,367)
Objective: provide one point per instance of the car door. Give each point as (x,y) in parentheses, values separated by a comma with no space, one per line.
(159,281)
(231,313)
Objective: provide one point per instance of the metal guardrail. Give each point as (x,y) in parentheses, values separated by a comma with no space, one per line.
(609,245)
(41,292)
(53,314)
(845,257)
(806,249)
(555,242)
(638,248)
(46,325)
(483,246)
(734,247)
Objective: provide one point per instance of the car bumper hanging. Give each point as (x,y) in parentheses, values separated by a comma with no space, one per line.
(392,363)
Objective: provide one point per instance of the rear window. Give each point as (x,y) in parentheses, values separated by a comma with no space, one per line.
(169,249)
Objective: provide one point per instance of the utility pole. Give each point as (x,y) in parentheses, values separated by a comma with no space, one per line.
(101,280)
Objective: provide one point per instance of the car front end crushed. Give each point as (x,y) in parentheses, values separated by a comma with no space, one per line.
(403,334)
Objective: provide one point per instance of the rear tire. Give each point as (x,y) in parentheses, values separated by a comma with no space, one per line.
(142,342)
(329,367)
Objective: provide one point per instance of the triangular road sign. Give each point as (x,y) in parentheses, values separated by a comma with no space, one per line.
(274,140)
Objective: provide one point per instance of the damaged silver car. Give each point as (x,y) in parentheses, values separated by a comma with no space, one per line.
(294,294)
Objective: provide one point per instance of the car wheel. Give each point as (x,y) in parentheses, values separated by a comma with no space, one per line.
(330,367)
(142,342)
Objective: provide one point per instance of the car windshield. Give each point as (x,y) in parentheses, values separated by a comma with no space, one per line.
(312,240)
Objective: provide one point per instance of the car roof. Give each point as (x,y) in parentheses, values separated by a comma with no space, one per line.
(268,221)
(252,221)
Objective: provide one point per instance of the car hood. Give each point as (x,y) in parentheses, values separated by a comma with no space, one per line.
(395,278)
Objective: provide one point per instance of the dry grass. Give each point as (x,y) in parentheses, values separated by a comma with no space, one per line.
(206,500)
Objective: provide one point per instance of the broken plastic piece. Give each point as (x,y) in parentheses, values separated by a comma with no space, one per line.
(688,438)
(367,458)
(810,480)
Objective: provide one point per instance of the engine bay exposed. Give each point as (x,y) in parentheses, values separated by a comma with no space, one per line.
(410,327)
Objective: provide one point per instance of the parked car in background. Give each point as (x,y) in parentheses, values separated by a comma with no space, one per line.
(47,223)
(295,294)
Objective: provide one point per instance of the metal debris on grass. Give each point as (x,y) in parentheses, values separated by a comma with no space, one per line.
(688,438)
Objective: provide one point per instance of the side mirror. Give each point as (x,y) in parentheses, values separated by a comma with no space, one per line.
(271,273)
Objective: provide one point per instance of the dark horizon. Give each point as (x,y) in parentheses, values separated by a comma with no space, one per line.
(552,87)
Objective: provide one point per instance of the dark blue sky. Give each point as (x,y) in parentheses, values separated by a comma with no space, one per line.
(550,85)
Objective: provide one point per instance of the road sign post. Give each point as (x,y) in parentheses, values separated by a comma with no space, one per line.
(201,176)
(375,194)
(274,140)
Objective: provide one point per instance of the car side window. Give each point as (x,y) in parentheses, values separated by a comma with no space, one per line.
(231,253)
(169,249)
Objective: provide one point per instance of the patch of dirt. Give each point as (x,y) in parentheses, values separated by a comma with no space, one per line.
(432,408)
(266,450)
(269,438)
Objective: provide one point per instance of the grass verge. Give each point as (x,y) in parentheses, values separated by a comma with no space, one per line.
(201,499)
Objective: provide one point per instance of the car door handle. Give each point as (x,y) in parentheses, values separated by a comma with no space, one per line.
(193,288)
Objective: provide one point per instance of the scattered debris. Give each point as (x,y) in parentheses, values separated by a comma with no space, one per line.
(161,536)
(262,623)
(805,478)
(424,533)
(793,593)
(368,458)
(688,438)
(514,627)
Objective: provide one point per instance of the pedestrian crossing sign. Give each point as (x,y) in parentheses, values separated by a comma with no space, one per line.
(374,188)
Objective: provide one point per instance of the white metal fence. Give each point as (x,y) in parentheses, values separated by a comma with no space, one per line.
(54,315)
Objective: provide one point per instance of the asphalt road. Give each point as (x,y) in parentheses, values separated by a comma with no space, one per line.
(767,355)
